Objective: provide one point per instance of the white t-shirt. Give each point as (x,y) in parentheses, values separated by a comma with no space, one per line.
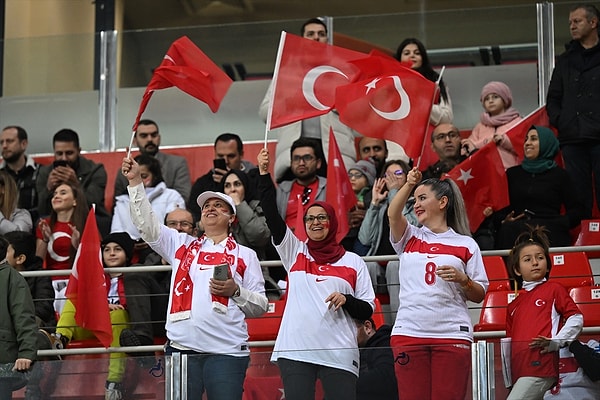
(310,331)
(429,306)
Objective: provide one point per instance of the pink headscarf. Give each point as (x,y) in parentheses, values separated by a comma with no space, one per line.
(502,90)
(328,250)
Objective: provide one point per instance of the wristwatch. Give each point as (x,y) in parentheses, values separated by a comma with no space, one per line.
(237,292)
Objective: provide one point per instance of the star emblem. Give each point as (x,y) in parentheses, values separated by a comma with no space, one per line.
(371,85)
(465,176)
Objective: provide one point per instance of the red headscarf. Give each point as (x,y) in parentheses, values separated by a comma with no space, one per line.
(328,250)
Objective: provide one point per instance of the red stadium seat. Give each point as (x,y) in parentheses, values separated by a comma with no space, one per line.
(378,314)
(589,235)
(571,269)
(496,273)
(493,312)
(588,300)
(266,326)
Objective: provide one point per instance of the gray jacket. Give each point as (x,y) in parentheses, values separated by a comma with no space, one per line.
(371,228)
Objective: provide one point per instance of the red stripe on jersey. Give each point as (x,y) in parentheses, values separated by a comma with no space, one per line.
(215,258)
(303,264)
(416,245)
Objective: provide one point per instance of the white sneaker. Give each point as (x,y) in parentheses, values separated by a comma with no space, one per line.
(113,391)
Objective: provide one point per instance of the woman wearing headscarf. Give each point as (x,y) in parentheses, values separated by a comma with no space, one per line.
(538,191)
(328,287)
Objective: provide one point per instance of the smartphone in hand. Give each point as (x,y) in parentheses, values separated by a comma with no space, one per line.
(219,163)
(221,272)
(60,163)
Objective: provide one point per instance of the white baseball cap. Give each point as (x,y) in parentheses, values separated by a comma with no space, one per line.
(204,196)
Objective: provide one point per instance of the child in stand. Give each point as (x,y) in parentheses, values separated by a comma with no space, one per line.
(117,250)
(361,176)
(533,319)
(497,118)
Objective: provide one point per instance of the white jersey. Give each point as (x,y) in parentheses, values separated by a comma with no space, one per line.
(429,306)
(310,331)
(207,331)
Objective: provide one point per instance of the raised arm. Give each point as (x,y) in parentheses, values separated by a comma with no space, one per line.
(398,221)
(140,210)
(266,191)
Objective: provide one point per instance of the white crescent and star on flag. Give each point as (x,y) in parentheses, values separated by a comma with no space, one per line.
(403,109)
(465,176)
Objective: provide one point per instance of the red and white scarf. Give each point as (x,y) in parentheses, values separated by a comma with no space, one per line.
(183,287)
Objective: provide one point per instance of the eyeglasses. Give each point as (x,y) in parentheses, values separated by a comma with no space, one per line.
(355,175)
(306,158)
(310,219)
(443,136)
(183,224)
(306,195)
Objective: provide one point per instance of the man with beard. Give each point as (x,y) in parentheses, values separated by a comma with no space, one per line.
(445,141)
(22,168)
(306,187)
(70,166)
(174,169)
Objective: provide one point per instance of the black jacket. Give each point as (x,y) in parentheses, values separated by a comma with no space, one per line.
(42,294)
(377,379)
(573,101)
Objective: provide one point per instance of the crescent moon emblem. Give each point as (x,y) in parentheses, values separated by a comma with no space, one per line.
(539,302)
(177,292)
(308,85)
(322,268)
(404,108)
(51,251)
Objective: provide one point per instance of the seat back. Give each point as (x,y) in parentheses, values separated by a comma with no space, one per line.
(571,269)
(266,326)
(493,312)
(588,300)
(589,235)
(496,272)
(378,317)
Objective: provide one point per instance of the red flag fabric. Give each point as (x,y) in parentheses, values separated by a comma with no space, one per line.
(306,74)
(299,228)
(87,284)
(186,67)
(394,106)
(482,181)
(339,191)
(517,133)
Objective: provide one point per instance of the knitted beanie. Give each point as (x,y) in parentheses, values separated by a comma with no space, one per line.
(367,168)
(499,88)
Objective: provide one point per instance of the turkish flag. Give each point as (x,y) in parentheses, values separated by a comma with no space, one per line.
(305,77)
(394,106)
(482,181)
(87,284)
(186,67)
(517,133)
(339,191)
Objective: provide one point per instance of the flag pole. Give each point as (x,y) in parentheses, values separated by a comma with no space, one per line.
(437,88)
(130,144)
(274,85)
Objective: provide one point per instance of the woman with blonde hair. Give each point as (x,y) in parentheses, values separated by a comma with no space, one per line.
(11,217)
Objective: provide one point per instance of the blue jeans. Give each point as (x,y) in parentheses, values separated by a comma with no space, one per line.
(220,375)
(581,160)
